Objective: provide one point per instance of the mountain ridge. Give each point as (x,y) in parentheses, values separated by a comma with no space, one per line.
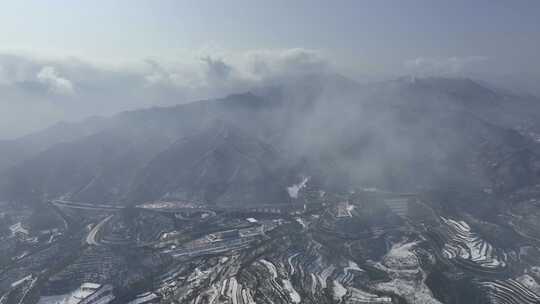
(413,135)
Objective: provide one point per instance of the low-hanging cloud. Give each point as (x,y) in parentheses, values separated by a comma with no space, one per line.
(216,69)
(57,84)
(447,66)
(291,62)
(240,69)
(40,91)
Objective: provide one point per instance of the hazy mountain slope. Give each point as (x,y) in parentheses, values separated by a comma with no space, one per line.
(402,135)
(102,166)
(219,165)
(17,150)
(498,106)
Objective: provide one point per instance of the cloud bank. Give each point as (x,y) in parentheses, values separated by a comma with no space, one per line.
(447,66)
(57,84)
(36,92)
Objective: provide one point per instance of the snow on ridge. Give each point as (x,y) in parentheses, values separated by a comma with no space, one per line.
(295,297)
(338,291)
(401,256)
(409,281)
(270,267)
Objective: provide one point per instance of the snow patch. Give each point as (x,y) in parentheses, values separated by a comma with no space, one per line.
(301,222)
(408,279)
(294,189)
(270,267)
(339,291)
(295,297)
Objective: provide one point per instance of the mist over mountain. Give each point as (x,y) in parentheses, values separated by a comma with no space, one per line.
(38,91)
(269,152)
(407,134)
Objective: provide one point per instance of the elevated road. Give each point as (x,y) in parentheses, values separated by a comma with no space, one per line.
(91,238)
(85,206)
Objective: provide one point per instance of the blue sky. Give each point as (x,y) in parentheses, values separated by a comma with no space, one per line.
(67,59)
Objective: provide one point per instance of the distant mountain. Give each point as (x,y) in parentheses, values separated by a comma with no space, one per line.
(220,165)
(17,150)
(405,135)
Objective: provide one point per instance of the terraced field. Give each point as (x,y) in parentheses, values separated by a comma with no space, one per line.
(508,292)
(468,249)
(368,254)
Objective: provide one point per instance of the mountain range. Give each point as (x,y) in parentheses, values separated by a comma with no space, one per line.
(403,135)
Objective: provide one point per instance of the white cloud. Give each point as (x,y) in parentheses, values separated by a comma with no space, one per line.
(453,66)
(216,69)
(288,62)
(212,73)
(56,84)
(103,88)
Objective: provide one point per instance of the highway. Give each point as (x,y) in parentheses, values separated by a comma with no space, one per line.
(91,238)
(77,205)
